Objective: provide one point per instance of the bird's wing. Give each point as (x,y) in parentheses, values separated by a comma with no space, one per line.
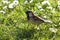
(41,19)
(38,19)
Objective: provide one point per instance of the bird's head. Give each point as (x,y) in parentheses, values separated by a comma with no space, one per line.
(29,13)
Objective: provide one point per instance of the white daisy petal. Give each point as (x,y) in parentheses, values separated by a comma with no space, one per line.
(15,2)
(53,11)
(53,30)
(38,28)
(5,7)
(45,2)
(1,11)
(5,1)
(45,16)
(11,5)
(40,8)
(49,7)
(31,1)
(25,2)
(59,4)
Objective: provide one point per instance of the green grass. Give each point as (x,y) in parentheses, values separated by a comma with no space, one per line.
(14,24)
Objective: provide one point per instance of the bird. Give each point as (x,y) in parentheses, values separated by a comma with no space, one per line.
(35,19)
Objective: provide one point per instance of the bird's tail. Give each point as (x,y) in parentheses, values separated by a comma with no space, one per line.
(48,21)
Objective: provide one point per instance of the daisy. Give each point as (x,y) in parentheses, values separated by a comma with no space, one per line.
(53,30)
(26,2)
(11,5)
(45,16)
(45,2)
(15,2)
(38,28)
(1,11)
(5,1)
(53,11)
(49,7)
(5,7)
(31,1)
(59,4)
(40,8)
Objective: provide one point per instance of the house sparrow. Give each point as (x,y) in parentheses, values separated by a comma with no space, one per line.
(35,19)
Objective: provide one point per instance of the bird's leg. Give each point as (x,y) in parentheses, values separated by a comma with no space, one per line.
(36,26)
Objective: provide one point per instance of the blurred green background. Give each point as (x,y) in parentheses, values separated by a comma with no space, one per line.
(15,26)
